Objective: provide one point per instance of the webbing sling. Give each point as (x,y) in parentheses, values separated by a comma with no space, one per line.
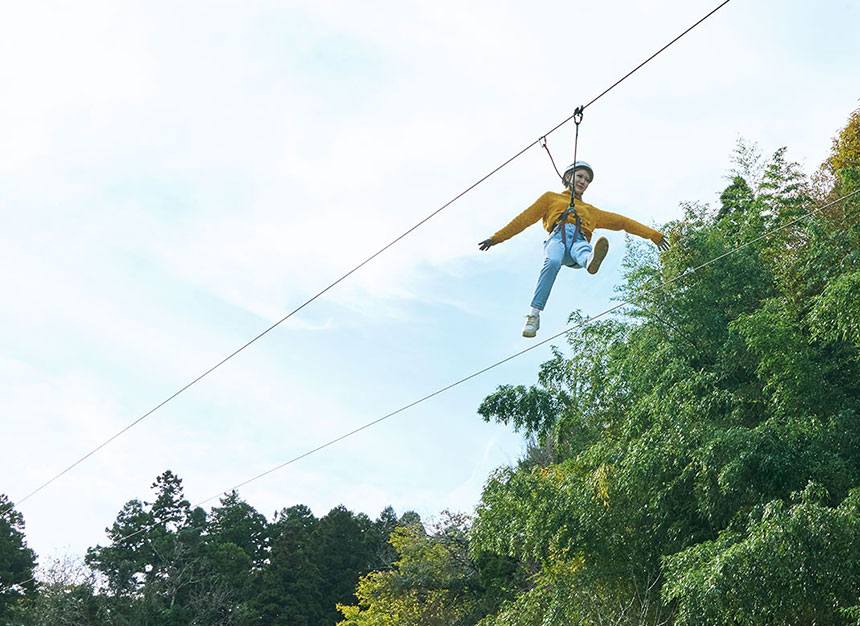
(561,222)
(562,219)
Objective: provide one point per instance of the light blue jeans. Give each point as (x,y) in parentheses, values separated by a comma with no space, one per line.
(575,256)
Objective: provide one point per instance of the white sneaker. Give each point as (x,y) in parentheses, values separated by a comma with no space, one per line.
(598,253)
(532,325)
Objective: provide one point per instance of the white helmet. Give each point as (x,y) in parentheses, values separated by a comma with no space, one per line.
(579,165)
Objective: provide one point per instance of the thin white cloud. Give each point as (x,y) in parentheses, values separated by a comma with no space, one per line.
(174,180)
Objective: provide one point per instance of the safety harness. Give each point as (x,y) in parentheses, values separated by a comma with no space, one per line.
(571,209)
(562,221)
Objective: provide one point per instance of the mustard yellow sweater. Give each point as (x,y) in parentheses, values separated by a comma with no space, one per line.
(551,205)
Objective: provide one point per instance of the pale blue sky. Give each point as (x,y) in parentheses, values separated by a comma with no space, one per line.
(177,176)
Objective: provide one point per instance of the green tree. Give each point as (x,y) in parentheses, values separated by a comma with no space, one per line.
(803,556)
(159,568)
(66,597)
(345,552)
(315,564)
(707,437)
(737,198)
(236,545)
(384,555)
(17,561)
(841,170)
(290,587)
(435,581)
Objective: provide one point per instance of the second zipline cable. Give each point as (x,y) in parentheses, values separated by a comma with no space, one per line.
(566,331)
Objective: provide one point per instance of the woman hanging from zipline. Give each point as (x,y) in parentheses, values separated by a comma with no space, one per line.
(570,225)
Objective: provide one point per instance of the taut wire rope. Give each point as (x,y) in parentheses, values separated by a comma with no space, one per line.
(360,265)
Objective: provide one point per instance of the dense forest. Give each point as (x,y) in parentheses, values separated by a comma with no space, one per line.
(695,459)
(168,564)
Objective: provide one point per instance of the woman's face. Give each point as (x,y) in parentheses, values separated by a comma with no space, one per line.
(581,180)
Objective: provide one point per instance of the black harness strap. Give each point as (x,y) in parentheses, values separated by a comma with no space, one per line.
(561,222)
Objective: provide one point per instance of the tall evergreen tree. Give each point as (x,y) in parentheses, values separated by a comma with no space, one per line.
(17,561)
(236,546)
(158,568)
(315,564)
(290,587)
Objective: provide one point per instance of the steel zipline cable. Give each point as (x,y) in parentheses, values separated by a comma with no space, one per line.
(363,263)
(638,67)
